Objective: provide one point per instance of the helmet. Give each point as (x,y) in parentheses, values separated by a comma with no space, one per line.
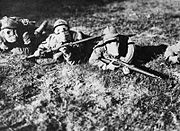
(60,22)
(8,23)
(110,33)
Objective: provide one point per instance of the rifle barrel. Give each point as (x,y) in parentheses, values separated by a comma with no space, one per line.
(137,69)
(132,67)
(83,40)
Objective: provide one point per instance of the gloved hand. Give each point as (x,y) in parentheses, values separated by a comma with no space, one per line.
(37,53)
(122,58)
(174,59)
(111,66)
(65,52)
(125,70)
(26,38)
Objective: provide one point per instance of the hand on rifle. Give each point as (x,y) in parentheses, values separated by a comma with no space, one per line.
(174,59)
(27,38)
(114,65)
(63,50)
(125,70)
(110,66)
(37,53)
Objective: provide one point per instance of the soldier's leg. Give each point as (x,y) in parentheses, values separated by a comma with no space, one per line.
(144,54)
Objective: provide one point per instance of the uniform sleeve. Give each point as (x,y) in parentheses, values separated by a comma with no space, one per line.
(129,55)
(95,58)
(172,50)
(46,44)
(43,45)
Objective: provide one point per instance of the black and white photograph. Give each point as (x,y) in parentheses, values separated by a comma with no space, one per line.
(89,65)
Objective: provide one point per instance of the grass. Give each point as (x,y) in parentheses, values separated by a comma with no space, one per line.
(60,97)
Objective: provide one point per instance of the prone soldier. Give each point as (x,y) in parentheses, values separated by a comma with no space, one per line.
(62,35)
(20,36)
(116,47)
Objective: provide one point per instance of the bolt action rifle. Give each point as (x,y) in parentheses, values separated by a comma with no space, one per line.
(142,70)
(31,57)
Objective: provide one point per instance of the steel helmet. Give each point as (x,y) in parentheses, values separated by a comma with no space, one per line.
(8,23)
(60,22)
(110,33)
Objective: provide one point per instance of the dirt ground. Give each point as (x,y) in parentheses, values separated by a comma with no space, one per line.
(59,97)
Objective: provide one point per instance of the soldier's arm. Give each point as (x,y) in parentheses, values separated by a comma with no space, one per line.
(96,60)
(129,54)
(43,46)
(3,47)
(50,44)
(47,43)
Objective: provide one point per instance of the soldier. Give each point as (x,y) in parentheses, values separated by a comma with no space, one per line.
(172,53)
(19,36)
(62,35)
(120,47)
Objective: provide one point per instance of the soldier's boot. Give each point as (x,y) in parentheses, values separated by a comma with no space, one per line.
(41,28)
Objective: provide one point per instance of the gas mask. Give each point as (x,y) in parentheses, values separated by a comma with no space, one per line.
(10,35)
(63,33)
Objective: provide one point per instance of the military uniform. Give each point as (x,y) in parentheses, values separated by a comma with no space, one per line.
(115,46)
(26,33)
(126,53)
(17,47)
(72,54)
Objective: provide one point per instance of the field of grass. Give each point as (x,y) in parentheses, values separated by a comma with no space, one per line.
(60,97)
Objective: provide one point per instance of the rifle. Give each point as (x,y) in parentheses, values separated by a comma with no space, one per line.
(31,57)
(131,67)
(81,41)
